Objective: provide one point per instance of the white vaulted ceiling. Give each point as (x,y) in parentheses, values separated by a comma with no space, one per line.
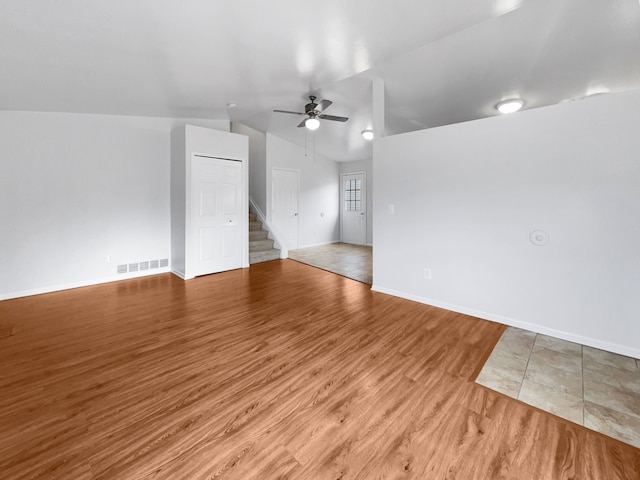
(441,62)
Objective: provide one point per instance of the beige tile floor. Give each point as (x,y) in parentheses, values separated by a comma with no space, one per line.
(591,387)
(352,261)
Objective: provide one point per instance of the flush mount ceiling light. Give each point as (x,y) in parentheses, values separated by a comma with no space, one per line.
(312,123)
(367,134)
(596,90)
(510,105)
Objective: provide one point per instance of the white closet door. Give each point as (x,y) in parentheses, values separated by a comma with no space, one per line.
(216,214)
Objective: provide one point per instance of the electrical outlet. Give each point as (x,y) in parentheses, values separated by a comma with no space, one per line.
(109,258)
(427,274)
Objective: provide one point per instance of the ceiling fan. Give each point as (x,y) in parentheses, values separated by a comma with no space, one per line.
(313,112)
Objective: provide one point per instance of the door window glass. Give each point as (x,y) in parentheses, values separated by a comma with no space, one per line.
(352,195)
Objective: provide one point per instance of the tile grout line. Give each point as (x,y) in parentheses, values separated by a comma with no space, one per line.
(524,374)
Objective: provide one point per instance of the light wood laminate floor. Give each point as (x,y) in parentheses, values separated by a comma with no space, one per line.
(549,375)
(280,371)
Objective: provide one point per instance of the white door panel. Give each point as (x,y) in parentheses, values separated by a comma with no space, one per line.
(284,209)
(216,186)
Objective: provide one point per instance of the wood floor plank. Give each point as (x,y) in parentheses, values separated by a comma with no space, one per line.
(274,372)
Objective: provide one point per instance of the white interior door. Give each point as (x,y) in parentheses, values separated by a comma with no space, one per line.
(354,208)
(284,204)
(216,214)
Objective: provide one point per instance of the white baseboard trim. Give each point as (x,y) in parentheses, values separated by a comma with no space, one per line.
(68,286)
(180,274)
(533,327)
(319,244)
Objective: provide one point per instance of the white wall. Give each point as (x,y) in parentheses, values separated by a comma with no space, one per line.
(365,166)
(75,188)
(319,190)
(467,197)
(257,163)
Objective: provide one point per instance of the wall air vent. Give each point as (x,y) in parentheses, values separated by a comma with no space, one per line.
(143,266)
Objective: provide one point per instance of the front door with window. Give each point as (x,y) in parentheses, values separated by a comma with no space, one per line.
(353,208)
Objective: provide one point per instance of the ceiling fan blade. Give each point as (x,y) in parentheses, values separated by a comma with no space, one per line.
(322,105)
(287,111)
(302,123)
(334,118)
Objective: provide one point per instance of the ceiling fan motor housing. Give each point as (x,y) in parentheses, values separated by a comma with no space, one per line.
(310,108)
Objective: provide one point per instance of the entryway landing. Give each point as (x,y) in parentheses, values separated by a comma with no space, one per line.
(351,261)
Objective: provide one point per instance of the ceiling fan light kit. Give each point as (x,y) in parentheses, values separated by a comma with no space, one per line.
(367,134)
(312,123)
(313,112)
(510,105)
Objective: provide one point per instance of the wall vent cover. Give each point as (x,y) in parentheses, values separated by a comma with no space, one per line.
(164,262)
(133,267)
(122,268)
(144,265)
(154,263)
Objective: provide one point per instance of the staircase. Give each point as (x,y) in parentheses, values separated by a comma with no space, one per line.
(260,247)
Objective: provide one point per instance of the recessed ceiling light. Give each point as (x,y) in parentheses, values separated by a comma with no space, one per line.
(367,134)
(312,123)
(509,106)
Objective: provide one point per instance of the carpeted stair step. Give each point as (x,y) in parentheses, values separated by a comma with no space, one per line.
(259,245)
(257,235)
(264,255)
